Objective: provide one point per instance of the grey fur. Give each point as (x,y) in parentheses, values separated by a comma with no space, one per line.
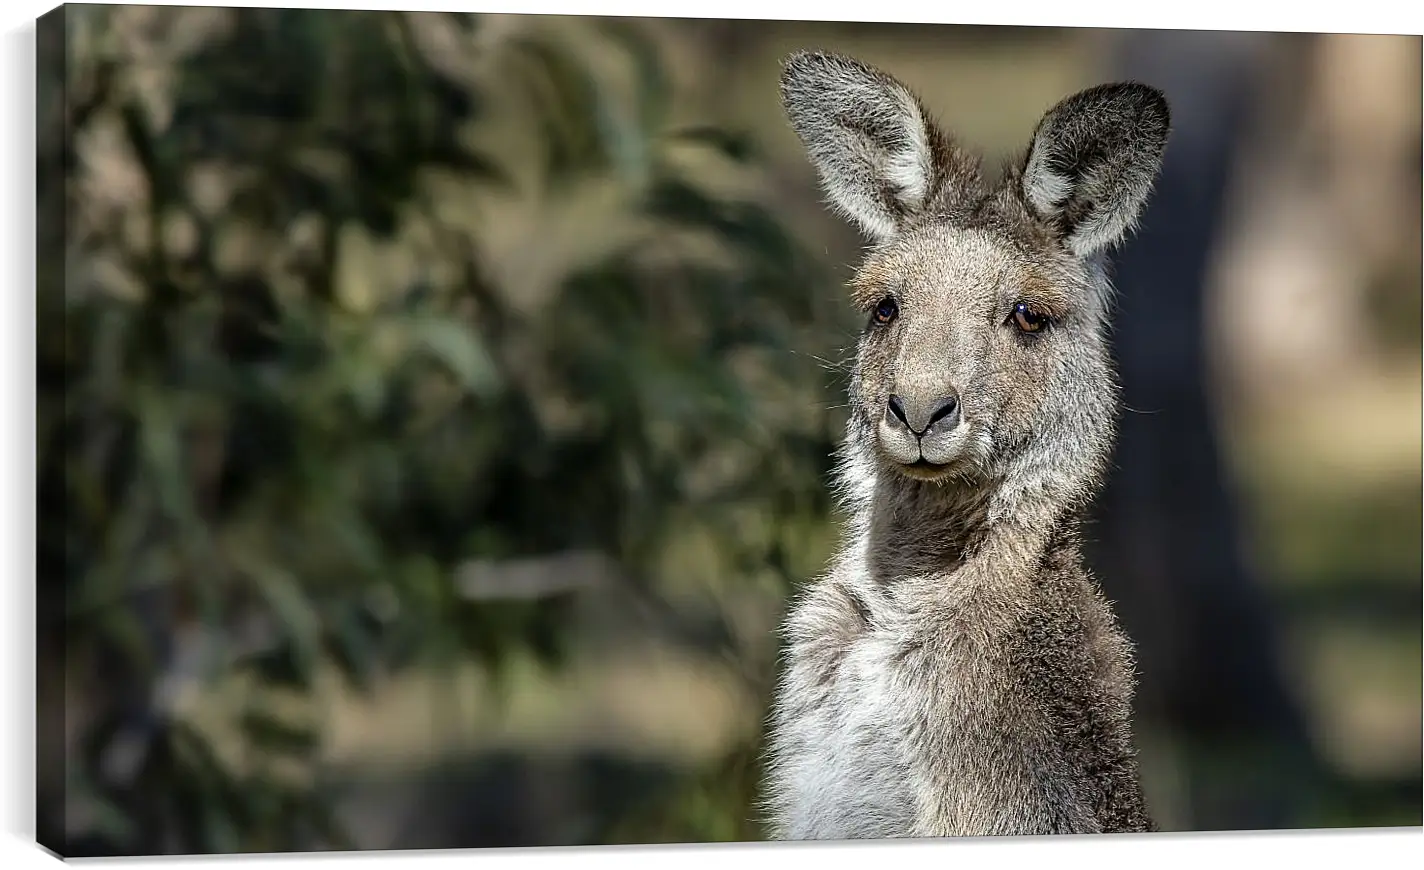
(956,671)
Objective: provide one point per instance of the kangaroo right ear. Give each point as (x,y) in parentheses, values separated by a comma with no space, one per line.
(879,156)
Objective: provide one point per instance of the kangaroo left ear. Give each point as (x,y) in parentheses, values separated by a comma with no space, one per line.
(1093,161)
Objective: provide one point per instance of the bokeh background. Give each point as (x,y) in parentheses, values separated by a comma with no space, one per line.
(436,412)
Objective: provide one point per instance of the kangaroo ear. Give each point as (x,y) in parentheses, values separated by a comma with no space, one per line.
(1093,161)
(879,156)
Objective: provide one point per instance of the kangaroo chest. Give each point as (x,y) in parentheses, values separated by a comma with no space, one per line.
(857,715)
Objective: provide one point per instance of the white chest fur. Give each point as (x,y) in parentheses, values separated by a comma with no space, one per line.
(843,764)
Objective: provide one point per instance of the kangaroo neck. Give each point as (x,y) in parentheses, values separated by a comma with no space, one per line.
(914,528)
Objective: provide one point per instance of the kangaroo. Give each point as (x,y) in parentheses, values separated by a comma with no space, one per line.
(956,671)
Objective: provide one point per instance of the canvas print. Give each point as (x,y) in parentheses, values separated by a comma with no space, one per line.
(465,430)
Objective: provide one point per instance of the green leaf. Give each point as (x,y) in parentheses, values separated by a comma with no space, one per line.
(299,619)
(274,735)
(735,145)
(654,88)
(223,836)
(109,819)
(326,826)
(354,646)
(460,350)
(586,127)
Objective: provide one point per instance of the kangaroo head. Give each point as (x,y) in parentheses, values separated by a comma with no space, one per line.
(984,353)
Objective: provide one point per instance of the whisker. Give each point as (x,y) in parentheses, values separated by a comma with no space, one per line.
(842,365)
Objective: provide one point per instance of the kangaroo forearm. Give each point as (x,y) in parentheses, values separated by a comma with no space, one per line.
(999,803)
(1003,662)
(1022,784)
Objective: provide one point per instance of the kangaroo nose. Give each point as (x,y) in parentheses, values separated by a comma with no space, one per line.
(918,417)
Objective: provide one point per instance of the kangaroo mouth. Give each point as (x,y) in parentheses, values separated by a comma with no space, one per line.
(938,456)
(923,469)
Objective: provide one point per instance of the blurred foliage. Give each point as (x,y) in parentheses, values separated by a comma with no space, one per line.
(249,471)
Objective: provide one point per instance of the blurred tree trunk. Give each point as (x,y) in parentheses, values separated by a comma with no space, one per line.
(1167,544)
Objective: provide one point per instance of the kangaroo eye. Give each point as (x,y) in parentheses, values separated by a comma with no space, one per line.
(1027,318)
(886,311)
